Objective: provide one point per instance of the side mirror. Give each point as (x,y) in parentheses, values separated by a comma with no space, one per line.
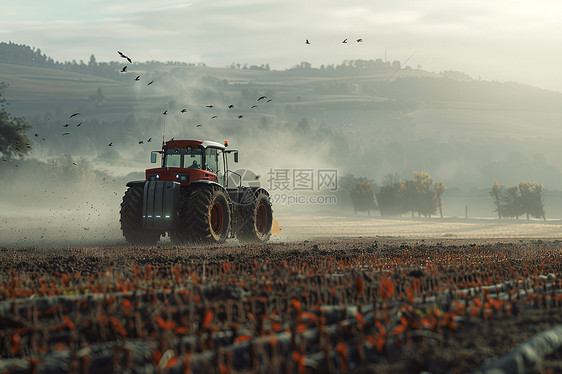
(236,156)
(153,157)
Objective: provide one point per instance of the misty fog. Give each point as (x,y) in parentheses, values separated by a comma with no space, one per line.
(347,118)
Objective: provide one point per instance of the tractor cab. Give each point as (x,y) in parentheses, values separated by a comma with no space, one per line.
(187,161)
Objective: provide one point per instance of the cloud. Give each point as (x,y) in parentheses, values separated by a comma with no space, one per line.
(503,40)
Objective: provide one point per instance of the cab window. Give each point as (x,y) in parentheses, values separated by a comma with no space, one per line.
(193,158)
(212,160)
(172,158)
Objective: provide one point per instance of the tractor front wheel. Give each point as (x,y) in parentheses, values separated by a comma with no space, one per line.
(131,218)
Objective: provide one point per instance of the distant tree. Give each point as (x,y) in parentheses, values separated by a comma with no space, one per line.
(439,190)
(531,199)
(425,198)
(495,193)
(397,197)
(92,62)
(363,196)
(511,202)
(389,198)
(13,140)
(514,201)
(408,197)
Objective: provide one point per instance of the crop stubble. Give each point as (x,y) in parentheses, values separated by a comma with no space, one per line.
(357,305)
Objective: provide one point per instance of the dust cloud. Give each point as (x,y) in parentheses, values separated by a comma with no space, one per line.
(42,210)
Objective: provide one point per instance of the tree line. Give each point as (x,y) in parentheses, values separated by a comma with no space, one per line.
(397,197)
(418,195)
(514,201)
(12,53)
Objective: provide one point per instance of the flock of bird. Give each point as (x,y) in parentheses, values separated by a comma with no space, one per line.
(261,99)
(360,40)
(137,78)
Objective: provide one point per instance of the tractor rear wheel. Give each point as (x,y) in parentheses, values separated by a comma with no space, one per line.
(256,219)
(131,218)
(204,215)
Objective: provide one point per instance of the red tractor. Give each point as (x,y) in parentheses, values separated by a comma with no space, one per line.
(192,197)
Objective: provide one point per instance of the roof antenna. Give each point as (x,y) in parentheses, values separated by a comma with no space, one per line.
(164,131)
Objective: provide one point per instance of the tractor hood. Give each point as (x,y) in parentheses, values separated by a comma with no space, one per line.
(180,175)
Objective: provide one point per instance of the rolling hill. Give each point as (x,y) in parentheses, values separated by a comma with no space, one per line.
(362,118)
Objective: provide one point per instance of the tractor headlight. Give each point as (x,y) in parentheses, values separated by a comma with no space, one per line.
(182,178)
(154,177)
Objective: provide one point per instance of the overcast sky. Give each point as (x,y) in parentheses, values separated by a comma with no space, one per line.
(517,40)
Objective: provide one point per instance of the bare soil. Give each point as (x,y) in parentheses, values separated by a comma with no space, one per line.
(362,305)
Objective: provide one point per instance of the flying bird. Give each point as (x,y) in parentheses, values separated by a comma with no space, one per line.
(213,117)
(137,78)
(141,142)
(269,101)
(359,40)
(262,97)
(149,83)
(125,57)
(74,115)
(345,40)
(110,144)
(209,106)
(199,125)
(66,125)
(149,140)
(240,116)
(78,125)
(66,133)
(165,112)
(254,106)
(307,42)
(184,110)
(124,69)
(230,106)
